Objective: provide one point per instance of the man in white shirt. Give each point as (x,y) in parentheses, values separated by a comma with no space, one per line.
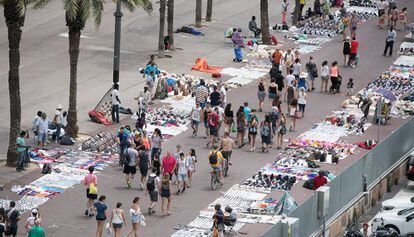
(195,118)
(42,126)
(57,121)
(115,103)
(223,93)
(290,78)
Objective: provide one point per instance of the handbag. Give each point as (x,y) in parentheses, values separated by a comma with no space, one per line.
(298,115)
(108,228)
(93,189)
(233,127)
(142,220)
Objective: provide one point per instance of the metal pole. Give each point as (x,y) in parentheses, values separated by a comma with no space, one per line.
(117,41)
(323,226)
(379,109)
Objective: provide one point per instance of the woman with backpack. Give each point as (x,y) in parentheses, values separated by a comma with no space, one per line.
(252,127)
(281,131)
(274,116)
(241,126)
(266,133)
(117,219)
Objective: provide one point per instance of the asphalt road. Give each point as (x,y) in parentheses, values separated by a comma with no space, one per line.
(63,216)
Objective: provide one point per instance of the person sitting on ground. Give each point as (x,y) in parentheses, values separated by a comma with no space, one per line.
(319,180)
(229,33)
(253,27)
(189,30)
(309,13)
(230,217)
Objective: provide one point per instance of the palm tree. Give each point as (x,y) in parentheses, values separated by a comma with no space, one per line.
(296,13)
(77,12)
(209,10)
(198,13)
(264,21)
(161,47)
(170,23)
(14,14)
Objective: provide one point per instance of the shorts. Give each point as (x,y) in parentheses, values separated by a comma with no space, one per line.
(12,230)
(165,193)
(101,218)
(182,177)
(42,137)
(143,171)
(206,124)
(202,104)
(117,225)
(325,78)
(130,169)
(226,154)
(261,95)
(195,122)
(218,168)
(272,96)
(213,131)
(353,56)
(91,196)
(266,140)
(153,196)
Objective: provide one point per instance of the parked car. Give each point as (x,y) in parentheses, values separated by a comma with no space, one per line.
(402,221)
(397,203)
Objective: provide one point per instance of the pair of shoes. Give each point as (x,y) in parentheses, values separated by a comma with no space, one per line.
(178,192)
(86,212)
(149,210)
(129,184)
(182,191)
(230,163)
(91,214)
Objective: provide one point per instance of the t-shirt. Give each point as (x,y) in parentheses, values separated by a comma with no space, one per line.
(247,111)
(277,57)
(324,71)
(156,142)
(219,216)
(296,69)
(132,153)
(123,138)
(213,119)
(143,160)
(319,181)
(290,78)
(196,114)
(215,98)
(182,166)
(37,231)
(20,142)
(114,95)
(100,210)
(223,94)
(334,71)
(59,115)
(43,125)
(13,217)
(201,94)
(279,81)
(168,163)
(354,47)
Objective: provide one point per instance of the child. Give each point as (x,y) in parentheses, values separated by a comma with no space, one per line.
(350,87)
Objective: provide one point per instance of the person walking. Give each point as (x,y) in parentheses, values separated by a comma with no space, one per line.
(237,40)
(354,52)
(289,59)
(215,97)
(30,222)
(389,41)
(273,89)
(276,59)
(213,123)
(266,133)
(182,170)
(143,164)
(130,166)
(37,230)
(381,6)
(393,16)
(253,127)
(22,150)
(156,143)
(101,215)
(153,187)
(281,131)
(115,103)
(346,50)
(274,116)
(136,216)
(195,118)
(302,98)
(206,112)
(280,82)
(241,126)
(201,93)
(293,107)
(334,77)
(191,165)
(312,72)
(42,126)
(296,69)
(261,93)
(284,10)
(226,146)
(13,216)
(117,219)
(324,76)
(91,182)
(228,118)
(166,194)
(353,24)
(168,164)
(402,19)
(289,96)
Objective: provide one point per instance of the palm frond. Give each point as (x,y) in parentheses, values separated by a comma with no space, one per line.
(37,4)
(84,10)
(97,9)
(21,4)
(144,4)
(71,7)
(128,4)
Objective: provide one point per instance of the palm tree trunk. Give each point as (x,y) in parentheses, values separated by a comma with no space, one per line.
(170,20)
(198,13)
(161,52)
(14,31)
(264,18)
(296,13)
(74,41)
(209,10)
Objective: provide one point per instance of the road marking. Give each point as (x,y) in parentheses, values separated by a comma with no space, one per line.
(58,225)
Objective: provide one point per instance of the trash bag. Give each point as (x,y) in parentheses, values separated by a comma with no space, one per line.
(67,141)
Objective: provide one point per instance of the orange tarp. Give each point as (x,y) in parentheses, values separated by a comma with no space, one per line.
(202,66)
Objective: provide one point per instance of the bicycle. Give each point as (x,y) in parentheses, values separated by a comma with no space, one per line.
(215,179)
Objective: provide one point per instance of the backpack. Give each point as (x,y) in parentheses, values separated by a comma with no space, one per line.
(274,117)
(125,157)
(309,184)
(151,183)
(66,140)
(265,130)
(140,123)
(47,169)
(213,158)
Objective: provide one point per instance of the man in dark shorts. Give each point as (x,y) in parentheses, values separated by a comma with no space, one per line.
(153,186)
(130,167)
(226,146)
(213,123)
(14,216)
